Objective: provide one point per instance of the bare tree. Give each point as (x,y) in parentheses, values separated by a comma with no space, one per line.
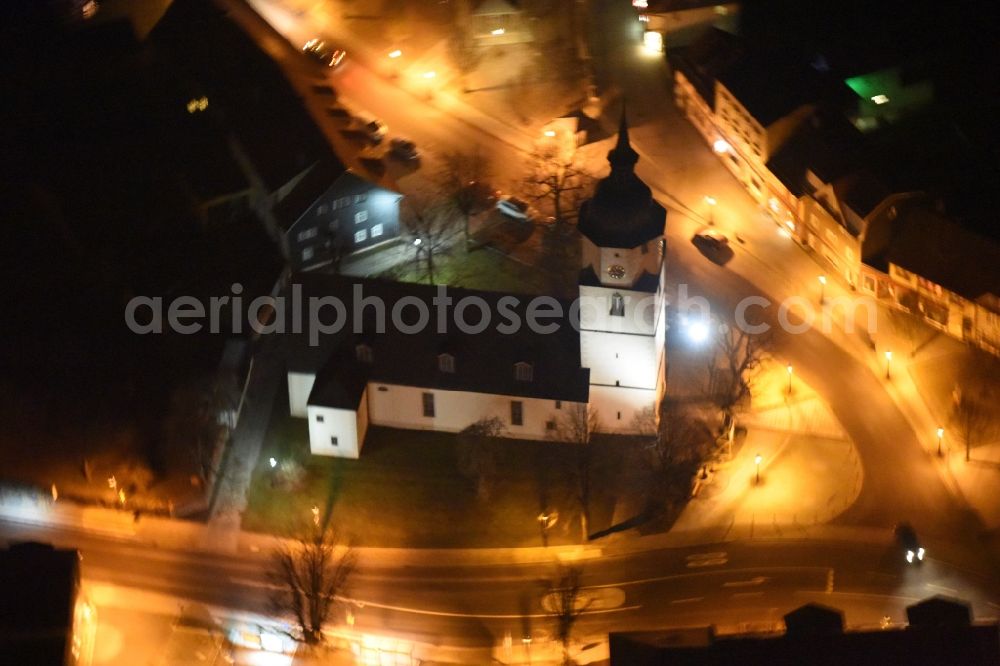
(557,179)
(576,427)
(680,447)
(477,453)
(432,226)
(565,605)
(974,410)
(461,177)
(309,573)
(199,418)
(736,358)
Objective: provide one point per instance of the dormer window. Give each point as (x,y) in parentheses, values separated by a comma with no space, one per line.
(617,305)
(446,363)
(524,372)
(363,353)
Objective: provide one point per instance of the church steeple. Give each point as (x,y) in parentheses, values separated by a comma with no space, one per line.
(622,157)
(622,212)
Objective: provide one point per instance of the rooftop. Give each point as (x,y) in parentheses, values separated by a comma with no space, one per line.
(484,361)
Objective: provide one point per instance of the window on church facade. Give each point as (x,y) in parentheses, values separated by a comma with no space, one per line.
(516,412)
(428,403)
(524,372)
(617,305)
(363,353)
(446,363)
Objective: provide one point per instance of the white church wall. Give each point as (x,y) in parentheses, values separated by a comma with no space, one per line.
(333,432)
(618,359)
(643,312)
(617,407)
(403,407)
(299,387)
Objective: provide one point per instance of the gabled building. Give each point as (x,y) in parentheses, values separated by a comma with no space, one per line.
(603,352)
(331,213)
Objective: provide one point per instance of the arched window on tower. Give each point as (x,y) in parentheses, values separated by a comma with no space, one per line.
(524,372)
(617,305)
(446,363)
(363,353)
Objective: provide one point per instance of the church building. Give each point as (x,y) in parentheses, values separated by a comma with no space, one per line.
(604,350)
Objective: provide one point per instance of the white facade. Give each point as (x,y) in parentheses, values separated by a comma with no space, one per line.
(622,333)
(300,385)
(335,432)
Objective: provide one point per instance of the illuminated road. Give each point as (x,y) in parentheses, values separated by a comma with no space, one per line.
(476,605)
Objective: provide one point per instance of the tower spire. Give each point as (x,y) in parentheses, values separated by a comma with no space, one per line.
(622,157)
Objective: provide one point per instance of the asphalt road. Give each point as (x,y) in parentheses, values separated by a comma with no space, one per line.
(733,585)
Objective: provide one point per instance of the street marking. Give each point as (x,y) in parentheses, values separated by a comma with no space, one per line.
(829,581)
(756,580)
(747,594)
(941,588)
(689,600)
(695,574)
(487,616)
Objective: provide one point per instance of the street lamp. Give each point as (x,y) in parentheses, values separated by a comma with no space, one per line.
(272,462)
(395,54)
(822,289)
(710,200)
(789,369)
(757,459)
(888,364)
(940,436)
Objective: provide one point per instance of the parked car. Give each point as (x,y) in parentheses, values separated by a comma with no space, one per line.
(515,208)
(403,149)
(373,128)
(711,238)
(907,539)
(320,51)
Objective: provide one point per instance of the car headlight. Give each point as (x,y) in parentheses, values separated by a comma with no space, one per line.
(920,553)
(909,556)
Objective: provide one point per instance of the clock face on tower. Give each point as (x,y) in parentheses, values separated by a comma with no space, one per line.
(616,271)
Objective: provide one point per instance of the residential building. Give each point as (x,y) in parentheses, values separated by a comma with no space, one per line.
(331,213)
(603,352)
(497,22)
(938,631)
(44,619)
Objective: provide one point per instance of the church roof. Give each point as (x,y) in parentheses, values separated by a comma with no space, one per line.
(622,212)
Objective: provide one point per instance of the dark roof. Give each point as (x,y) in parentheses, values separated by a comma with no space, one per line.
(705,58)
(38,587)
(770,86)
(942,251)
(861,192)
(266,114)
(315,183)
(622,212)
(484,361)
(919,644)
(826,144)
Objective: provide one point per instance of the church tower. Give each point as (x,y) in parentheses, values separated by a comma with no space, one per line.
(621,292)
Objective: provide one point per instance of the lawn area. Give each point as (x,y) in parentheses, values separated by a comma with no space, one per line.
(481,268)
(406,489)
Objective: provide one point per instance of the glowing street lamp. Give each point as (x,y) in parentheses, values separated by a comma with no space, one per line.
(272,462)
(549,133)
(940,436)
(497,32)
(789,369)
(430,74)
(757,460)
(888,364)
(315,514)
(395,54)
(710,200)
(721,146)
(822,289)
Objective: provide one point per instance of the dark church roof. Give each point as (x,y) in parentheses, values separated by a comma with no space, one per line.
(484,361)
(622,212)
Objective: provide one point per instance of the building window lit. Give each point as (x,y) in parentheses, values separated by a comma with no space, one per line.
(360,216)
(880,99)
(308,233)
(617,305)
(308,253)
(360,236)
(377,230)
(446,363)
(516,412)
(428,403)
(524,372)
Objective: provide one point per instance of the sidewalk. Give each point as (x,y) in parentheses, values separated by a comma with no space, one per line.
(809,471)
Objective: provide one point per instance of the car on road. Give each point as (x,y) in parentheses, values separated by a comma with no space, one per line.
(906,538)
(320,51)
(516,208)
(373,129)
(711,238)
(403,149)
